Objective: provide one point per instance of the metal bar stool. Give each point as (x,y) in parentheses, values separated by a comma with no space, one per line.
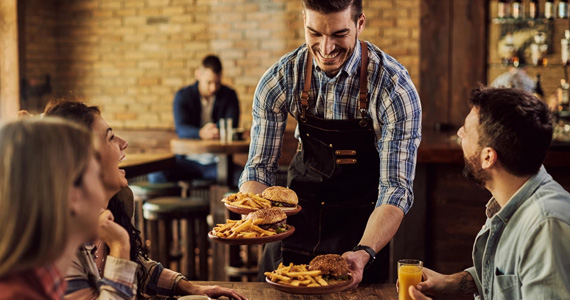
(192,213)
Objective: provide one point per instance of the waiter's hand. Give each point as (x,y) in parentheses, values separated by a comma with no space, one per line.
(209,132)
(356,261)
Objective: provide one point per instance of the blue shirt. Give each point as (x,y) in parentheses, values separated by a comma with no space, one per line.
(394,108)
(523,250)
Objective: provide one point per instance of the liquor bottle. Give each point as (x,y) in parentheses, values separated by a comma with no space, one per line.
(563,9)
(538,92)
(502,9)
(517,11)
(565,47)
(549,9)
(533,10)
(565,99)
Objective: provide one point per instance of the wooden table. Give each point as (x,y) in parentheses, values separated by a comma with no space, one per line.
(144,163)
(224,151)
(261,290)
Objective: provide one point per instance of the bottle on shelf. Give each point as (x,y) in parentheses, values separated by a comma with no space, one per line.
(510,52)
(517,11)
(539,49)
(563,9)
(533,9)
(565,47)
(502,9)
(565,96)
(549,9)
(538,92)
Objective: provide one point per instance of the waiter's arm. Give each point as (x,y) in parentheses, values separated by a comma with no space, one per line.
(267,128)
(253,187)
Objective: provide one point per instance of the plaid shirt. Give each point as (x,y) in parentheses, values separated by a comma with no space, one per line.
(40,283)
(52,282)
(394,108)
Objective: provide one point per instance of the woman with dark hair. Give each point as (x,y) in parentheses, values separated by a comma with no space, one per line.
(116,266)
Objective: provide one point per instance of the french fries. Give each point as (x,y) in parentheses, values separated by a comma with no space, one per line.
(247,200)
(242,229)
(296,275)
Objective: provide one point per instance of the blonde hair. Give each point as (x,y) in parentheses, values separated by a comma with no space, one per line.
(40,159)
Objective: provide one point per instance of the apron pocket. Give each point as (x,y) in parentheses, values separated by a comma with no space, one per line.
(319,156)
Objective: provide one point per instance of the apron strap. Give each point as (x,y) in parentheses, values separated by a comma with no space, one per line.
(307,87)
(363,95)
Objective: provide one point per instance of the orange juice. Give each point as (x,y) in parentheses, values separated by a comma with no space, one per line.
(408,275)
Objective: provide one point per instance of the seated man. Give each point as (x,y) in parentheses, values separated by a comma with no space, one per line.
(198,109)
(522,250)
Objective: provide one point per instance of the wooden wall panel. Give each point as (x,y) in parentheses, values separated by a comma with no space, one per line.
(435,24)
(468,55)
(453,47)
(9,82)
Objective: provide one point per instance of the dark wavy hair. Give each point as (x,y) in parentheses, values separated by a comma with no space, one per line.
(516,124)
(334,6)
(79,112)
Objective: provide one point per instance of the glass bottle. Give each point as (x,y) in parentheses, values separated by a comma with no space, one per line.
(563,9)
(565,47)
(565,99)
(502,9)
(533,9)
(517,11)
(549,9)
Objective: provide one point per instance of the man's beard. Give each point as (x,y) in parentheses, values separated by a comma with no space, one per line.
(473,171)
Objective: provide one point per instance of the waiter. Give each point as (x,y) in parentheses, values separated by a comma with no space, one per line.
(359,125)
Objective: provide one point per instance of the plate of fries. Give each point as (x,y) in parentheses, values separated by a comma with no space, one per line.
(297,279)
(246,232)
(244,203)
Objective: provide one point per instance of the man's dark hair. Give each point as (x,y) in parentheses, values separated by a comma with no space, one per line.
(516,124)
(213,63)
(334,6)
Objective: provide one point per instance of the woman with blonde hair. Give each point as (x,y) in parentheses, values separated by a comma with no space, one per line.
(50,203)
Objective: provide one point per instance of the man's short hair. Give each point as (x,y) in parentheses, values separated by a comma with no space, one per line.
(516,124)
(213,63)
(334,6)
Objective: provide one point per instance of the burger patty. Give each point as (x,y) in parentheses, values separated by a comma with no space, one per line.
(282,204)
(274,225)
(332,266)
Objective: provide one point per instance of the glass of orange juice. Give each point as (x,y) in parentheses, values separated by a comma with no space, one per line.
(409,273)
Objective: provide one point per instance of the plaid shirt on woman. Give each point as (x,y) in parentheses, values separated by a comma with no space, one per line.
(394,107)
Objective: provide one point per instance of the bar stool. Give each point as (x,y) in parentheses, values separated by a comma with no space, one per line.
(144,191)
(191,213)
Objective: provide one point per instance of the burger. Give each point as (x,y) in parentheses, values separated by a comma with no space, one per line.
(272,219)
(280,196)
(332,267)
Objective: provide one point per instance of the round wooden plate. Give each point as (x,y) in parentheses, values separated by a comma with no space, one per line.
(253,241)
(289,211)
(333,288)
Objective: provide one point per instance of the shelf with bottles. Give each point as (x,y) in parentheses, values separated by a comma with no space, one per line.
(529,21)
(511,10)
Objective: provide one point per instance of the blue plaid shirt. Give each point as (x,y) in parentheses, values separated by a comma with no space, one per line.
(394,107)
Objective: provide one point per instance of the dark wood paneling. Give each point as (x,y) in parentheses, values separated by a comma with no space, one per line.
(453,47)
(434,60)
(468,55)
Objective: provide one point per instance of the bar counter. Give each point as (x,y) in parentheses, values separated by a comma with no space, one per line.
(261,290)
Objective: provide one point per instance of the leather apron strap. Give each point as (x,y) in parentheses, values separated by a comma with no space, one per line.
(363,95)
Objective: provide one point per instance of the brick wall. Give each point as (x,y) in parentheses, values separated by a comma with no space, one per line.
(131,56)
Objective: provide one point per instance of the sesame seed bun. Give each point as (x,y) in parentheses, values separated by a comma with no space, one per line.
(280,194)
(271,215)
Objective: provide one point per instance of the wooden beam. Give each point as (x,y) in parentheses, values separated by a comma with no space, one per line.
(9,73)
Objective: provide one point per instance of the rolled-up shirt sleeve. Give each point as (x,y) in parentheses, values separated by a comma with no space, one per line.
(267,129)
(399,141)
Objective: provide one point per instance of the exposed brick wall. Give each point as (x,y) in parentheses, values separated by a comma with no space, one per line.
(131,56)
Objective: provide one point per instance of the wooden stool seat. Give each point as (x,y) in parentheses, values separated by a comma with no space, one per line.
(161,213)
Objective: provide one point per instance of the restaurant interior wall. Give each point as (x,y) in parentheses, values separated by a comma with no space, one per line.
(131,56)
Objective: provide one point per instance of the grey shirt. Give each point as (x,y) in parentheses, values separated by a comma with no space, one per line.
(523,250)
